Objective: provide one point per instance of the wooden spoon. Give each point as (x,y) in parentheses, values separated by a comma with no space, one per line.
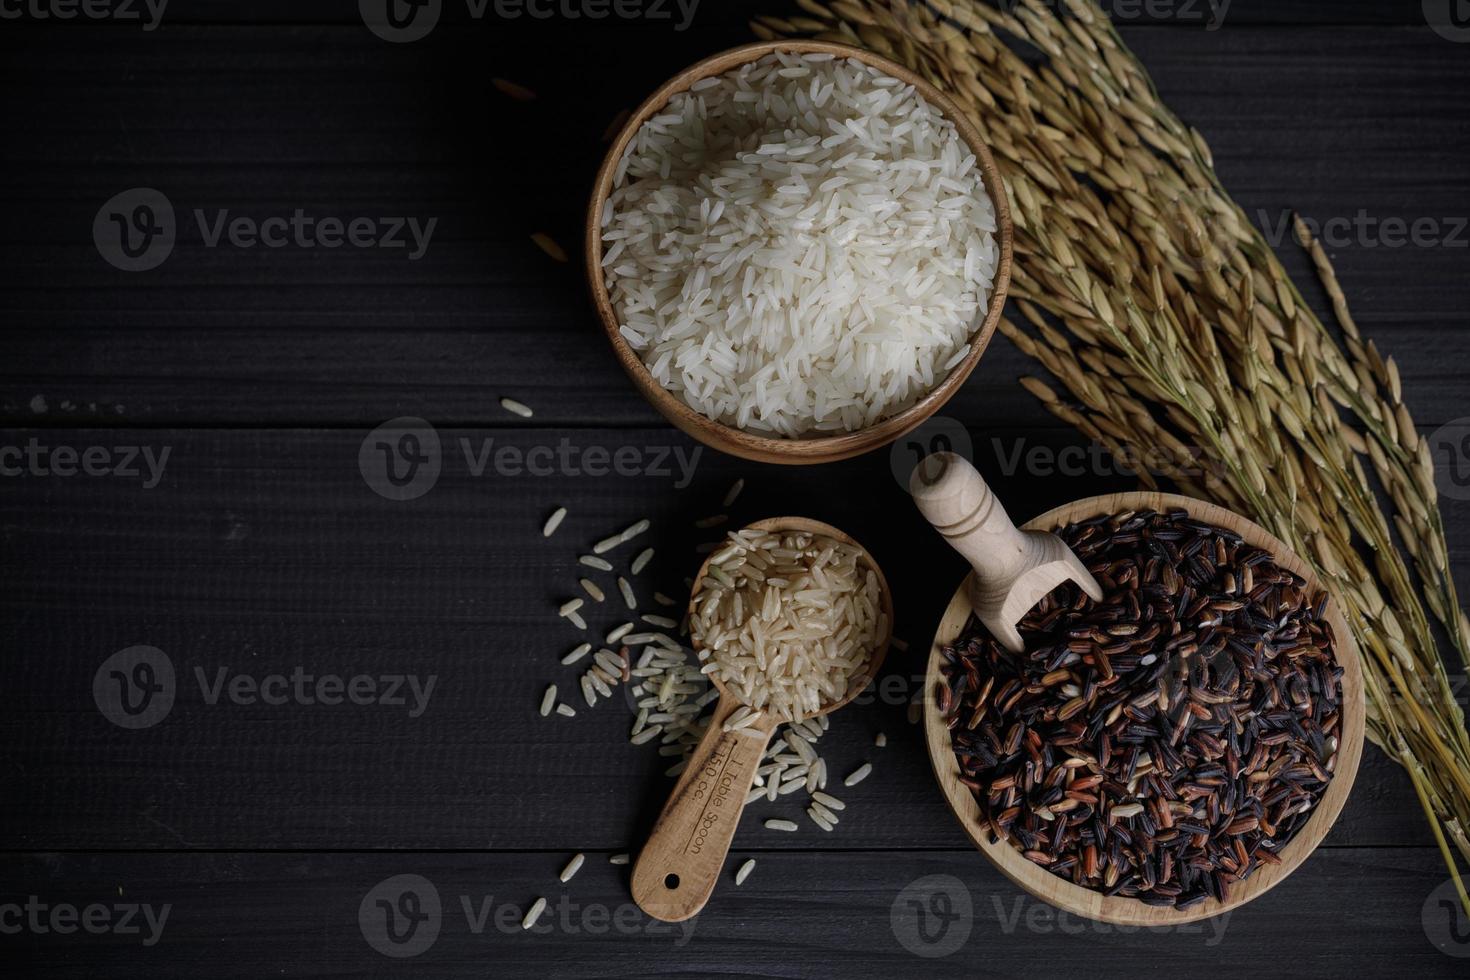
(1014,569)
(678,867)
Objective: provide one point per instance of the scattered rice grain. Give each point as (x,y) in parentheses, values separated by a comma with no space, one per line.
(573,866)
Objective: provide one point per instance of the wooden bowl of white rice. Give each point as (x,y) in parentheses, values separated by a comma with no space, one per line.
(799,250)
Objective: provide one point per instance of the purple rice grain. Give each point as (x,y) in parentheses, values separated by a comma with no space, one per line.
(1166,742)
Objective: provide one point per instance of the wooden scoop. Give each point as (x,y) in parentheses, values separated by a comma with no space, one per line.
(1014,569)
(678,867)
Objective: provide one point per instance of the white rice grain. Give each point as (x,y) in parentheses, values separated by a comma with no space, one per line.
(745,870)
(534,913)
(553,522)
(800,247)
(788,826)
(573,866)
(641,562)
(858,774)
(516,408)
(548,700)
(829,801)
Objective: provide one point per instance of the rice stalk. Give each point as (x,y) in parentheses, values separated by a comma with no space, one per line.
(1212,359)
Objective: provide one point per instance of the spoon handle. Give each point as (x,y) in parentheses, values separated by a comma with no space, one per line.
(678,867)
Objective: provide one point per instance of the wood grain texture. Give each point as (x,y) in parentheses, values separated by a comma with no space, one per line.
(1117,909)
(681,863)
(834,914)
(261,550)
(1325,121)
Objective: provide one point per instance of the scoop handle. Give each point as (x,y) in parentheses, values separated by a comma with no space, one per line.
(1014,569)
(678,867)
(954,497)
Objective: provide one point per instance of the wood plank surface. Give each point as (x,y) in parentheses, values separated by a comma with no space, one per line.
(262,548)
(799,915)
(259,551)
(1322,121)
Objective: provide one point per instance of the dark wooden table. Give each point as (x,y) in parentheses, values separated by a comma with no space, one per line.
(260,548)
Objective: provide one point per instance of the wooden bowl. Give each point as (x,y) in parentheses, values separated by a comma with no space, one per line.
(1117,909)
(772,449)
